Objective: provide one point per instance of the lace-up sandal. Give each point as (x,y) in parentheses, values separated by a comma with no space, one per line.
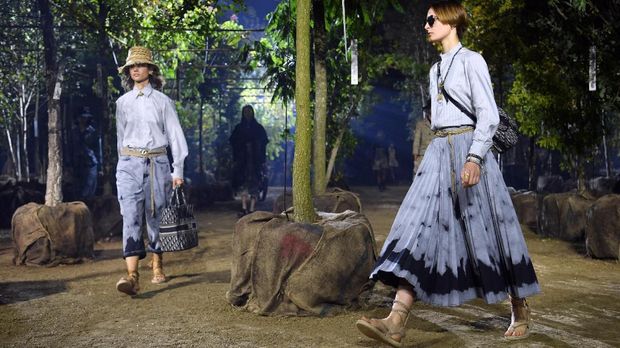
(130,284)
(158,272)
(381,330)
(520,320)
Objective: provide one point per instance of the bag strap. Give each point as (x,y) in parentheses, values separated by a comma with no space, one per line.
(458,105)
(181,195)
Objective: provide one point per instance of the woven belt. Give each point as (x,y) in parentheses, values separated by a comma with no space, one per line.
(452,131)
(449,133)
(145,153)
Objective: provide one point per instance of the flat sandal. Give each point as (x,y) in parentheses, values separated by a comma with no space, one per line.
(515,324)
(378,330)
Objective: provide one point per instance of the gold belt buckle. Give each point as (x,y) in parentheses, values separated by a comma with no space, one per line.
(144,152)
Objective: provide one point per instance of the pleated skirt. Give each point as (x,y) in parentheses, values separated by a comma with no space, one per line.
(448,260)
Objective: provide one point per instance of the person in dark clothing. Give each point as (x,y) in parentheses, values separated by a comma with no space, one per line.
(86,151)
(249,143)
(380,164)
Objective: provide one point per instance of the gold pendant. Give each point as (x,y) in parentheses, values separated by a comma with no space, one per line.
(439,97)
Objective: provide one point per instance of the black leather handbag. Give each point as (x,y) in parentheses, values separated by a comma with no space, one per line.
(177,227)
(507,133)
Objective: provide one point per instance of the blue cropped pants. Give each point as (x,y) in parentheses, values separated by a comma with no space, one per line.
(142,194)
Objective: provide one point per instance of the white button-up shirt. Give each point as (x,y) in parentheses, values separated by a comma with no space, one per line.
(147,119)
(469,83)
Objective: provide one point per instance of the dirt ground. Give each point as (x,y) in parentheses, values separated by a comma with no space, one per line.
(78,305)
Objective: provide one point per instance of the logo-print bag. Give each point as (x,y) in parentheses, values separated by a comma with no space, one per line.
(177,227)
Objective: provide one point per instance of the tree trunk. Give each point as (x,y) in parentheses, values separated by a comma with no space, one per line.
(531,161)
(27,162)
(336,146)
(320,99)
(18,164)
(334,155)
(9,140)
(53,78)
(107,128)
(35,126)
(581,174)
(200,136)
(302,191)
(24,103)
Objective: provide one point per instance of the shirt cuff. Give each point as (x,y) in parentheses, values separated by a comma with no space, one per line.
(177,173)
(479,148)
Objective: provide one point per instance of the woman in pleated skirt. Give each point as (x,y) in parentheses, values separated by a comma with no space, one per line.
(456,236)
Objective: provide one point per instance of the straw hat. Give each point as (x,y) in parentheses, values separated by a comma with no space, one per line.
(138,55)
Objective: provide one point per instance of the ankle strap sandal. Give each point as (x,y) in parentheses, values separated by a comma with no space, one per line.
(520,318)
(381,330)
(129,284)
(158,272)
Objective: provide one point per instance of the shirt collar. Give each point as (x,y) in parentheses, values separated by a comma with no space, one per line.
(147,90)
(449,54)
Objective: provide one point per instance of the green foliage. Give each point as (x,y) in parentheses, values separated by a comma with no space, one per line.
(538,52)
(275,54)
(20,62)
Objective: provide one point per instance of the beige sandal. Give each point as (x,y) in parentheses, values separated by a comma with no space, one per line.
(130,284)
(158,273)
(520,310)
(378,329)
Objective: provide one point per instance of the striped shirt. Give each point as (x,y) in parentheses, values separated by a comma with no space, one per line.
(469,83)
(147,119)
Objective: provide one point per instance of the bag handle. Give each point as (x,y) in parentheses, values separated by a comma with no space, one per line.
(177,196)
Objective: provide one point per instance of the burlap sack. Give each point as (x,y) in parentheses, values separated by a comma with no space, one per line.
(44,235)
(282,267)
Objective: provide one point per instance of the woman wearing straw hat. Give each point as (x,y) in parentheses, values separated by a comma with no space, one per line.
(146,124)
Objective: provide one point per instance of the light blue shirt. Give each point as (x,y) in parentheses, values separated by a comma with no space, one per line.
(469,83)
(147,119)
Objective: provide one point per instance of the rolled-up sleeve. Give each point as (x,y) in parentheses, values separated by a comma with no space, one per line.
(483,102)
(176,138)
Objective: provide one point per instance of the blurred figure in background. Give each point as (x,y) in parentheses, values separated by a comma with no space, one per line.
(249,144)
(423,135)
(85,155)
(380,163)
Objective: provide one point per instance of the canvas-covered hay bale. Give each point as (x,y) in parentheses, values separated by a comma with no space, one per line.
(334,200)
(44,235)
(526,207)
(282,267)
(563,216)
(603,228)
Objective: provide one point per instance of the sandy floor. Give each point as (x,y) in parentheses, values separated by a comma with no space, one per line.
(78,305)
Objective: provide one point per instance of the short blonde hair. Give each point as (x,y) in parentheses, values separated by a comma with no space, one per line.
(453,13)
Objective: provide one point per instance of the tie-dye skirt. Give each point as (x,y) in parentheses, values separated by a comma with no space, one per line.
(448,260)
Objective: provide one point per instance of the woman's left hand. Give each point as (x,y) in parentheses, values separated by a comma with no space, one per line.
(177,182)
(470,175)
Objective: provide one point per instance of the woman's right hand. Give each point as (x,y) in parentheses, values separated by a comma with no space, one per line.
(470,175)
(177,182)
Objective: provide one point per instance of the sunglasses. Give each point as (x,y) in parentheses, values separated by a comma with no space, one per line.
(430,20)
